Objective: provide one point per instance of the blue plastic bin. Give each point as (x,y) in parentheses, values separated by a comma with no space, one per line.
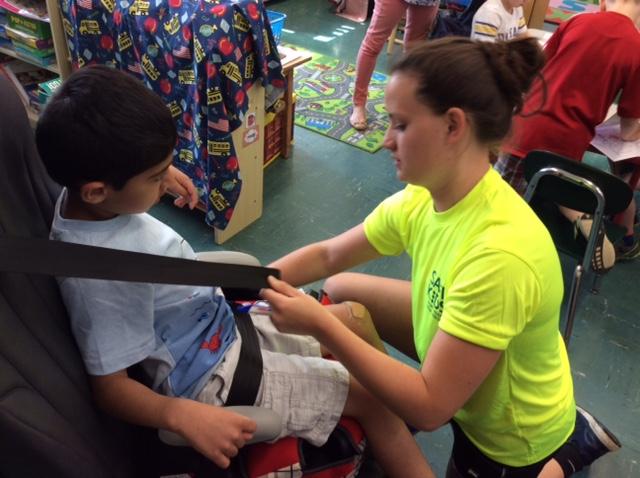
(276,19)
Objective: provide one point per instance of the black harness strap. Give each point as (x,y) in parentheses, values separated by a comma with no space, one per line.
(239,282)
(246,382)
(42,256)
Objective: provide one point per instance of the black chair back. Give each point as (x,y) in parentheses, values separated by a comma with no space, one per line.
(48,423)
(617,193)
(557,181)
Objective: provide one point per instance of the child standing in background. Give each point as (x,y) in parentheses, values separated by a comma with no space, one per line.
(592,59)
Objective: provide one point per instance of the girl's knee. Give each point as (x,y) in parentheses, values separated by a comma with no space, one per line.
(338,287)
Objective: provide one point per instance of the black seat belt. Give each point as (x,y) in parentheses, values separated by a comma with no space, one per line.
(246,382)
(239,282)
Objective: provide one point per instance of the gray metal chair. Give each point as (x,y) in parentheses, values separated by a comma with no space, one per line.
(554,181)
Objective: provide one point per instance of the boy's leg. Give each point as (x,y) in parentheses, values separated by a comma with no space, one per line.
(387,300)
(311,394)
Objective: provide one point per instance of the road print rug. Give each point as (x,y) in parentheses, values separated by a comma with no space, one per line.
(324,87)
(560,10)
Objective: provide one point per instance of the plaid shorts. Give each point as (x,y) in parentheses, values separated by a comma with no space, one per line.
(306,390)
(511,168)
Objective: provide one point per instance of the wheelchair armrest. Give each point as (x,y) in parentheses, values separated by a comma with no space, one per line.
(269,426)
(228,257)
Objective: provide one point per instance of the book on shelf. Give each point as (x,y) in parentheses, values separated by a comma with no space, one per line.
(25,79)
(38,28)
(28,40)
(41,56)
(33,9)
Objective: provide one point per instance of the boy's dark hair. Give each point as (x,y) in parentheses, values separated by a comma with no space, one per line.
(486,80)
(103,125)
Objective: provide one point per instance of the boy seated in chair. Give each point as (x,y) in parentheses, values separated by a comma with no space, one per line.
(109,141)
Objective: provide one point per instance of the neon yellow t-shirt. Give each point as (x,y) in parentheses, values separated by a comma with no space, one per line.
(486,271)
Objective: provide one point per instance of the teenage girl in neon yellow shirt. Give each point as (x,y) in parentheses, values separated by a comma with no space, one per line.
(481,311)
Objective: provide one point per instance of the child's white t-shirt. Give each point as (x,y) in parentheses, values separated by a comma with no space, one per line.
(493,22)
(178,333)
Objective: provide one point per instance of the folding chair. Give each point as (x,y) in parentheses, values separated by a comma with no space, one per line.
(48,420)
(554,181)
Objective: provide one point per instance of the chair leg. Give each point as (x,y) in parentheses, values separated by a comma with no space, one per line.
(597,282)
(392,40)
(572,303)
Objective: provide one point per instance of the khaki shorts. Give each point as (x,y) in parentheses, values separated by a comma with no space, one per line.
(307,391)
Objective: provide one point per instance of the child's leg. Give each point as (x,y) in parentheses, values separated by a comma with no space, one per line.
(311,394)
(387,300)
(420,20)
(386,15)
(394,448)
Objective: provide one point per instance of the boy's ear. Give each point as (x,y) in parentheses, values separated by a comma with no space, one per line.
(457,123)
(93,192)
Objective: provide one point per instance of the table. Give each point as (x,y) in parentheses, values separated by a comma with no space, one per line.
(290,59)
(621,154)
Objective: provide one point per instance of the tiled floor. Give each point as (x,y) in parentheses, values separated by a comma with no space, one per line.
(328,186)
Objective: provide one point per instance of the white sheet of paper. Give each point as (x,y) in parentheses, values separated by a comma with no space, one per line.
(607,140)
(542,35)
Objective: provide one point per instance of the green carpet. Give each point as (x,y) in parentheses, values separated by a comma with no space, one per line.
(324,87)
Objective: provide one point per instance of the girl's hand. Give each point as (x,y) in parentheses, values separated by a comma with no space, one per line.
(293,311)
(181,185)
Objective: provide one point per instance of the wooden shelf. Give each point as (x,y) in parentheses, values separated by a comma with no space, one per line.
(11,52)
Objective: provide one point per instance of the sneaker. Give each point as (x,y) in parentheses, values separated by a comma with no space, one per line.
(591,438)
(628,253)
(604,256)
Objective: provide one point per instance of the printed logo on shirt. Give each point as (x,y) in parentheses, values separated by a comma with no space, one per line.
(435,296)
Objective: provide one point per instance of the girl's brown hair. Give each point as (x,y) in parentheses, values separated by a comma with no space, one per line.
(486,80)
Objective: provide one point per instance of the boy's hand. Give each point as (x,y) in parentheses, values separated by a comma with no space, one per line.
(293,311)
(215,432)
(181,185)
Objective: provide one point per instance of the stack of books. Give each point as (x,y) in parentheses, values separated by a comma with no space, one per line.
(31,39)
(34,84)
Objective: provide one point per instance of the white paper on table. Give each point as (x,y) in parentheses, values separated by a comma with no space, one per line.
(607,140)
(542,35)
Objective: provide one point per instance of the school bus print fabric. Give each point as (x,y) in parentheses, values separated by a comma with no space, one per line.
(201,57)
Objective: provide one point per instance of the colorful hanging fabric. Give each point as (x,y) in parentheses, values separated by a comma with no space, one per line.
(201,57)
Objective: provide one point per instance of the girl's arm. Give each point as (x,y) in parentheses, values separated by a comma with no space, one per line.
(325,258)
(453,369)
